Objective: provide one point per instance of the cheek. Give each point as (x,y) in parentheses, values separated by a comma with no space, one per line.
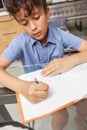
(42,21)
(26,29)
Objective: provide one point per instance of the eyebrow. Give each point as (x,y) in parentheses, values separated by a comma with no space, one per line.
(26,15)
(22,20)
(37,12)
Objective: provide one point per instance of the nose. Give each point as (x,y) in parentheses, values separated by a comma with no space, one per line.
(33,26)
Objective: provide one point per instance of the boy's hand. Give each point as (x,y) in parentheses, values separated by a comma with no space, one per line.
(58,66)
(35,92)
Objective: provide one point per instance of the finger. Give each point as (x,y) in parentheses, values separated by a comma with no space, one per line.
(48,71)
(51,72)
(35,100)
(41,94)
(50,65)
(46,68)
(42,86)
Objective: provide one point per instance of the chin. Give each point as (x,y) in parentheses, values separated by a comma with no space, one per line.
(39,38)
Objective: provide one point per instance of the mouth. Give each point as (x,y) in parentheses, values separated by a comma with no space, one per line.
(37,34)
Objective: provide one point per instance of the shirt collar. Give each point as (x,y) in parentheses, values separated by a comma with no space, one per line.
(30,39)
(50,39)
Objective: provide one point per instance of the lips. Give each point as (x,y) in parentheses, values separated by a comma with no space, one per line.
(37,34)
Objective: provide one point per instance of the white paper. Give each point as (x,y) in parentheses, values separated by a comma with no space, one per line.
(64,88)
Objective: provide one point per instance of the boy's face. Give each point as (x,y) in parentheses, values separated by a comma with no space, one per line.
(35,24)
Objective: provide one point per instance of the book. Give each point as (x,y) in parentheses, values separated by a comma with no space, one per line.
(64,90)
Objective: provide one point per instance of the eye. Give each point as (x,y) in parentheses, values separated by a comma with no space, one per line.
(24,23)
(36,17)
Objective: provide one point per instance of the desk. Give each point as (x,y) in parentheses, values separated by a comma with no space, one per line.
(8,97)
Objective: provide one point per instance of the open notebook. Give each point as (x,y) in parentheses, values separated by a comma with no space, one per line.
(65,90)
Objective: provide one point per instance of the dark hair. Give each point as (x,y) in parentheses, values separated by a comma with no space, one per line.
(15,124)
(14,6)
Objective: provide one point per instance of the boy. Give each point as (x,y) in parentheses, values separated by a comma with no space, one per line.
(40,44)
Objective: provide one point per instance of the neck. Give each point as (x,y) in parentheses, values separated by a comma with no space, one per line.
(44,41)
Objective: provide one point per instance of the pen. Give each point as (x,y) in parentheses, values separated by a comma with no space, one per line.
(36,81)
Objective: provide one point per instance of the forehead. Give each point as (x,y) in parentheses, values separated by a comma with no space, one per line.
(22,14)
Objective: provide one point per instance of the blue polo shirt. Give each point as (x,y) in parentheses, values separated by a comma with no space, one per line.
(30,51)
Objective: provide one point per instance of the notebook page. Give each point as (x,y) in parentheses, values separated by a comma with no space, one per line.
(63,89)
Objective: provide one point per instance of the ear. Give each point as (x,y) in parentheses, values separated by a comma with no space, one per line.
(48,13)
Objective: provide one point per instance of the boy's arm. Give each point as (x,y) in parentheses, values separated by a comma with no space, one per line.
(83,46)
(5,78)
(61,65)
(31,90)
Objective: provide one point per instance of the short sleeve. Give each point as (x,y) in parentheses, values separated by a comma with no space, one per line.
(70,40)
(14,50)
